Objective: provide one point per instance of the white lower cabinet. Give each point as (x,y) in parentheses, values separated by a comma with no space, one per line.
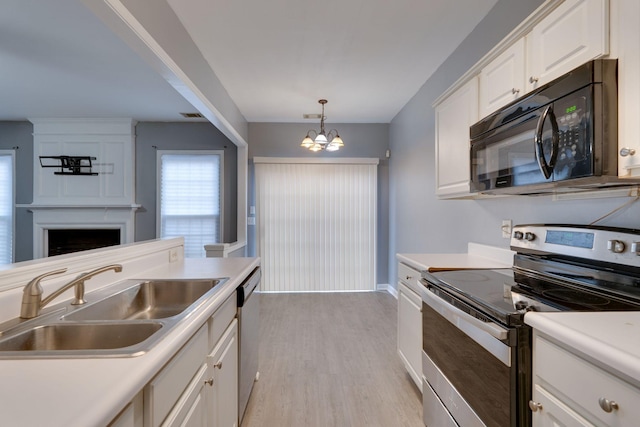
(191,409)
(223,366)
(131,415)
(410,323)
(198,387)
(569,390)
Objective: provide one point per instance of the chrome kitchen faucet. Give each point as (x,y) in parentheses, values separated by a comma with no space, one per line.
(32,302)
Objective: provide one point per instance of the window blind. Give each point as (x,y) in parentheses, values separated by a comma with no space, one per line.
(6,207)
(190,199)
(316,226)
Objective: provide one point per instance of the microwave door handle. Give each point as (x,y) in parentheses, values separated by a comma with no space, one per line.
(547,167)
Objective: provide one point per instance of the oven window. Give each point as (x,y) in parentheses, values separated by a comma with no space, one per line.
(481,379)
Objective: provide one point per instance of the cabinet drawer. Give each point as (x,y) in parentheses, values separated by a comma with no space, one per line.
(581,384)
(221,319)
(163,391)
(408,275)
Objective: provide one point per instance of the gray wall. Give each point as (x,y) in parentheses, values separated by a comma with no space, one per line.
(361,140)
(419,222)
(174,135)
(18,136)
(153,136)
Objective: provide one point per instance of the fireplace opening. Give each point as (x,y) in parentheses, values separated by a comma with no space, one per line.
(65,241)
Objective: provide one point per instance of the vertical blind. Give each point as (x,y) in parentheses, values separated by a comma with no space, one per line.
(316,226)
(6,207)
(190,199)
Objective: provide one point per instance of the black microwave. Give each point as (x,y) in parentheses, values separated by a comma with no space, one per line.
(562,136)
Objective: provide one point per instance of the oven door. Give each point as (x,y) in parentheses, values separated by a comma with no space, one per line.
(470,366)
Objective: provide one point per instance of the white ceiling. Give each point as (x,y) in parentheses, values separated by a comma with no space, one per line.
(275,58)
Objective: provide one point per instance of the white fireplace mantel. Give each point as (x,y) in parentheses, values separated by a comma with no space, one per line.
(105,200)
(79,217)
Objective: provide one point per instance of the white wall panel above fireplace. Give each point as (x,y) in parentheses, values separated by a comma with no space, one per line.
(110,141)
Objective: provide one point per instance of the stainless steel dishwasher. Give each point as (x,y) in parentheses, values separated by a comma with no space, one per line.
(249,327)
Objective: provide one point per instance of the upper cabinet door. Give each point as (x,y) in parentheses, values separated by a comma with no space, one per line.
(627,24)
(574,33)
(454,116)
(503,80)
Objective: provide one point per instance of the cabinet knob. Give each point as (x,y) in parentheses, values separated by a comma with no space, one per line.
(209,381)
(218,365)
(624,152)
(608,405)
(408,278)
(515,91)
(533,79)
(535,406)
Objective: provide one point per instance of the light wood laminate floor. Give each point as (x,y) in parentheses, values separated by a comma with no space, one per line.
(329,359)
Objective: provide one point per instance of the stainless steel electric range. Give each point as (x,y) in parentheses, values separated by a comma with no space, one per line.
(476,347)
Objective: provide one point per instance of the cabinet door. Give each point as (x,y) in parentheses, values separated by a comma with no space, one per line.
(503,80)
(410,332)
(190,410)
(628,30)
(553,413)
(574,33)
(454,116)
(223,365)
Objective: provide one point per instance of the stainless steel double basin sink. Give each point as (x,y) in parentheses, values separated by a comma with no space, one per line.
(125,319)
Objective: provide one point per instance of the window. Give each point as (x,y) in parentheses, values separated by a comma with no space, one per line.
(6,206)
(190,198)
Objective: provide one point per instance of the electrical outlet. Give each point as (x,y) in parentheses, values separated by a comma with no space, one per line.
(506,228)
(251,220)
(173,255)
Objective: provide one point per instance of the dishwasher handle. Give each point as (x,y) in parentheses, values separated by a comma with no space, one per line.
(245,290)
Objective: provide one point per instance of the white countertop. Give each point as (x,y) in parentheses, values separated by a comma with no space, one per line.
(610,339)
(478,256)
(91,392)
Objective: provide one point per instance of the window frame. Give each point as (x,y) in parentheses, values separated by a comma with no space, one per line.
(12,154)
(159,155)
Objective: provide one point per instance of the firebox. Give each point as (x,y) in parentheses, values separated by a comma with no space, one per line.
(64,241)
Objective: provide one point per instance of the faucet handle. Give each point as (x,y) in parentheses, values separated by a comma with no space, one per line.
(32,295)
(35,282)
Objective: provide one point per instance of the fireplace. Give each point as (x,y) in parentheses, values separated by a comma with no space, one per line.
(111,225)
(64,241)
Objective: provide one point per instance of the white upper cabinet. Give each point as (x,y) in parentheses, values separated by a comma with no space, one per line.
(574,33)
(626,26)
(503,80)
(454,115)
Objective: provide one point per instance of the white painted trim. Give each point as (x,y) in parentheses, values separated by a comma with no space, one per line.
(83,126)
(12,153)
(311,160)
(518,32)
(179,79)
(393,291)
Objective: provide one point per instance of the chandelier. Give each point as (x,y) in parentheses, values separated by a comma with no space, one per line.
(321,139)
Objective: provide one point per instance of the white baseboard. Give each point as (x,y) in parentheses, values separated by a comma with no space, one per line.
(393,291)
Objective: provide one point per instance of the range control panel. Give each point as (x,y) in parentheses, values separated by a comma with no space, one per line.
(607,244)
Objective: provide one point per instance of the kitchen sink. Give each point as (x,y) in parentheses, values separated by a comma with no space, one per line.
(88,339)
(123,320)
(150,299)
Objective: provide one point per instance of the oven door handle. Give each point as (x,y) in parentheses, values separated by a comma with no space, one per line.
(455,316)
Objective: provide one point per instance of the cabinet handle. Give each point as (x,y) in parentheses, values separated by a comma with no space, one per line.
(209,381)
(515,91)
(408,277)
(218,365)
(624,152)
(533,79)
(535,406)
(608,405)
